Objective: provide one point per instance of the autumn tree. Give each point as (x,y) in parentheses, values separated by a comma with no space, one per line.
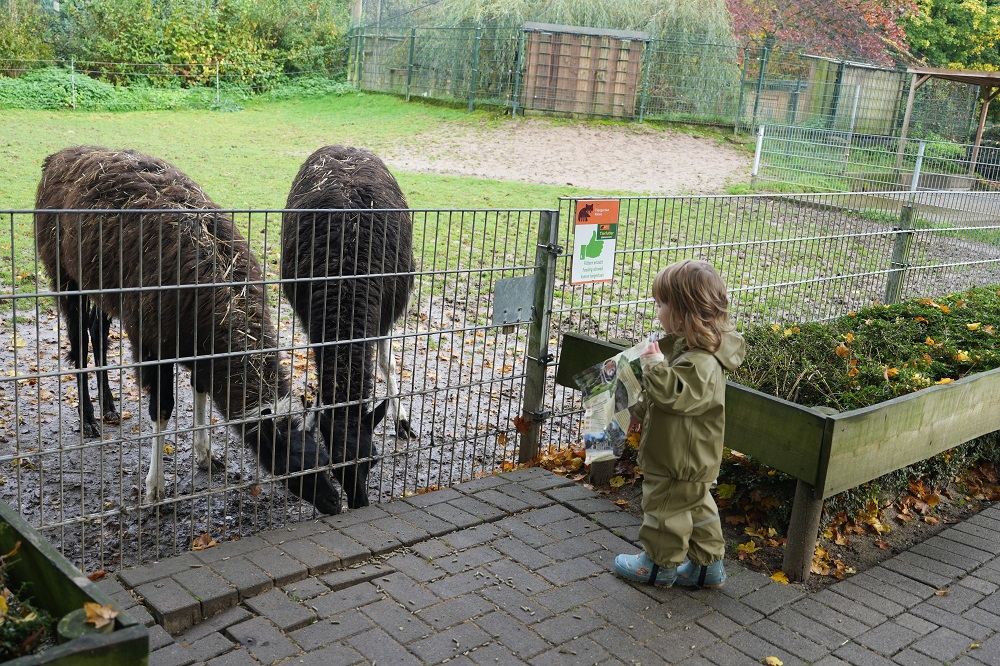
(957,34)
(868,30)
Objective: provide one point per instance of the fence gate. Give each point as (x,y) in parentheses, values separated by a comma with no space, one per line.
(582,70)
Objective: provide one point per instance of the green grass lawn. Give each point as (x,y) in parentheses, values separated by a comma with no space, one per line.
(247,159)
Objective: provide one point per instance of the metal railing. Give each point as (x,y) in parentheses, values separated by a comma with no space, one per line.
(844,161)
(475,356)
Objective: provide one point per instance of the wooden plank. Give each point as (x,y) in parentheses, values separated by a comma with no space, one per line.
(775,432)
(867,443)
(778,433)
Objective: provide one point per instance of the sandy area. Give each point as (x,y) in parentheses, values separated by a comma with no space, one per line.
(629,158)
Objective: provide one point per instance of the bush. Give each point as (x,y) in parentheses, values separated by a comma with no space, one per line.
(177,43)
(858,360)
(24,36)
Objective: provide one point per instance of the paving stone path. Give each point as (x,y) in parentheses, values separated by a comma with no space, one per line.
(516,568)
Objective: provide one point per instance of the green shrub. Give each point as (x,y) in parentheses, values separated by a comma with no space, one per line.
(24,35)
(858,360)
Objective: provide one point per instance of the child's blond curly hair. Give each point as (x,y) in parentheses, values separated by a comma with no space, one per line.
(699,306)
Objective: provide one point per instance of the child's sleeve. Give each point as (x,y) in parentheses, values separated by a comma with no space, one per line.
(683,388)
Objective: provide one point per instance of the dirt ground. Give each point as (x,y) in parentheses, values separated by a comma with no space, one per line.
(630,158)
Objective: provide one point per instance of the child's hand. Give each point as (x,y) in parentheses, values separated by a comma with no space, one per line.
(653,348)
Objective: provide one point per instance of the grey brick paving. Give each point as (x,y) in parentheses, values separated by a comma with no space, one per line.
(278,607)
(262,640)
(173,606)
(516,568)
(239,657)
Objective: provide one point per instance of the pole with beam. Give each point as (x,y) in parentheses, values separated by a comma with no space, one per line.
(988,93)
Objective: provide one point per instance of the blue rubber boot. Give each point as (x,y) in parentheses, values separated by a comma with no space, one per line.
(641,569)
(690,574)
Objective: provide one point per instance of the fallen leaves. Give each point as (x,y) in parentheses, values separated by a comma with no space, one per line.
(780,577)
(203,542)
(825,565)
(99,615)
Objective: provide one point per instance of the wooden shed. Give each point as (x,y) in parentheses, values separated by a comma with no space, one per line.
(582,70)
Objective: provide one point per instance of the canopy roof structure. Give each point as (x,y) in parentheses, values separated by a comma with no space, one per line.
(989,87)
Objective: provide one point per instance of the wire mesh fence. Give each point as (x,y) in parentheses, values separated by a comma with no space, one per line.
(459,378)
(788,258)
(95,84)
(629,75)
(844,161)
(475,385)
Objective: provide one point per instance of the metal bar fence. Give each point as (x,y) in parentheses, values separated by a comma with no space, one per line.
(841,161)
(719,84)
(460,377)
(785,259)
(462,373)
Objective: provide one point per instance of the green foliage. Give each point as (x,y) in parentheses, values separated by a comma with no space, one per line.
(23,626)
(53,88)
(698,20)
(862,359)
(176,43)
(958,34)
(23,34)
(876,354)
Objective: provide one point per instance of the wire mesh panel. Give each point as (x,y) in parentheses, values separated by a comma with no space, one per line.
(784,258)
(837,161)
(458,379)
(582,70)
(460,64)
(693,82)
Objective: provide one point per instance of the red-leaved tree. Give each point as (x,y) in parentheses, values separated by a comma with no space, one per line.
(867,30)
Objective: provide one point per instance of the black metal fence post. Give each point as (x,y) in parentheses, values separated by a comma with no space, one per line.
(538,357)
(475,68)
(409,65)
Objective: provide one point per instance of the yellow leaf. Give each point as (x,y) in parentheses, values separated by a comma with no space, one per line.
(973,326)
(944,380)
(780,577)
(18,341)
(725,490)
(168,448)
(842,351)
(3,607)
(849,337)
(203,542)
(749,548)
(962,356)
(99,615)
(774,661)
(616,481)
(929,340)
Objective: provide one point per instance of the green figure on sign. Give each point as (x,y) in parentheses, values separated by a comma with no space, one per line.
(592,250)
